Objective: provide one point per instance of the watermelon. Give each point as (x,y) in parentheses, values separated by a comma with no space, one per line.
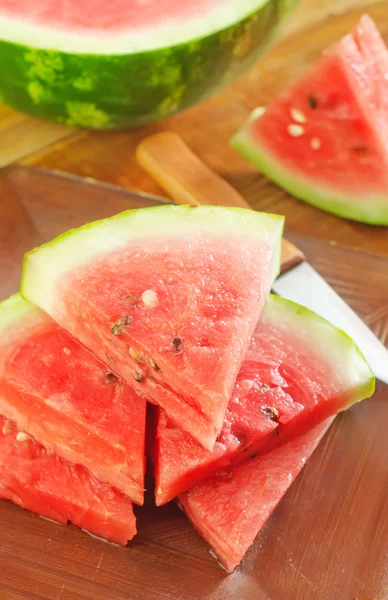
(229,510)
(53,488)
(71,403)
(168,297)
(298,370)
(112,64)
(324,139)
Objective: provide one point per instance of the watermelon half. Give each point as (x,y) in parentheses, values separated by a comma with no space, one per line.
(101,64)
(167,297)
(298,370)
(53,488)
(325,139)
(71,403)
(229,510)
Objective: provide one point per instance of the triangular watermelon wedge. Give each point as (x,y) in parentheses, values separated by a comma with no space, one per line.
(299,370)
(41,482)
(229,510)
(168,297)
(59,393)
(325,139)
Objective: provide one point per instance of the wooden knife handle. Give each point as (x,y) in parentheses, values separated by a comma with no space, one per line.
(187,180)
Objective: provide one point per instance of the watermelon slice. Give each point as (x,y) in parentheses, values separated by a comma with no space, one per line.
(168,297)
(53,488)
(58,392)
(229,510)
(100,64)
(298,370)
(324,140)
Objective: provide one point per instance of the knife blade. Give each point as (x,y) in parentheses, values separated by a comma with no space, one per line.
(172,164)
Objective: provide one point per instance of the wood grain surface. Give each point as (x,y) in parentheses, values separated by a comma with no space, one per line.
(110,156)
(328,539)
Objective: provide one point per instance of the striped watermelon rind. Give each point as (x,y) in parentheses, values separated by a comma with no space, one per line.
(107,91)
(373,212)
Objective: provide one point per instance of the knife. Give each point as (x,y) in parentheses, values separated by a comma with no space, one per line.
(172,164)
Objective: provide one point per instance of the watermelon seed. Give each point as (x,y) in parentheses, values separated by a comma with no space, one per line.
(313,102)
(296,130)
(264,387)
(316,143)
(271,412)
(67,351)
(154,365)
(111,378)
(22,437)
(117,326)
(150,298)
(252,456)
(159,491)
(135,356)
(298,116)
(130,299)
(177,344)
(7,428)
(137,376)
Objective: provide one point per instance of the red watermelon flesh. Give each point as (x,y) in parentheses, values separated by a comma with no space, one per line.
(127,15)
(291,378)
(53,488)
(325,138)
(229,510)
(57,391)
(168,297)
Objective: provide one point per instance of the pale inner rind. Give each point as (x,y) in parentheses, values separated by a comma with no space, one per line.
(168,33)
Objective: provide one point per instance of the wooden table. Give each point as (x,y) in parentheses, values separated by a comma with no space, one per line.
(349,525)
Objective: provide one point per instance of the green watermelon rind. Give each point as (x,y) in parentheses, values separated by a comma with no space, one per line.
(373,211)
(17,316)
(335,345)
(107,91)
(44,266)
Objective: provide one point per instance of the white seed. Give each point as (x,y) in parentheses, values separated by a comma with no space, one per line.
(150,298)
(316,143)
(296,130)
(67,351)
(298,116)
(22,437)
(7,428)
(159,491)
(258,112)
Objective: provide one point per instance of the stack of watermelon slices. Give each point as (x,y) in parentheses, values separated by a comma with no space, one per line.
(169,305)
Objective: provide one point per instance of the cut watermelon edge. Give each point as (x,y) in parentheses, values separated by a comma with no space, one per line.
(127,41)
(334,343)
(77,247)
(336,203)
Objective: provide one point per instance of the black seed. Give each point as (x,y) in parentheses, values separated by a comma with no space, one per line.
(177,344)
(271,412)
(154,365)
(117,327)
(313,102)
(111,379)
(137,376)
(252,456)
(134,355)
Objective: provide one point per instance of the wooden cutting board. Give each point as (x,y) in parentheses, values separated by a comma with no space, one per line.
(328,539)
